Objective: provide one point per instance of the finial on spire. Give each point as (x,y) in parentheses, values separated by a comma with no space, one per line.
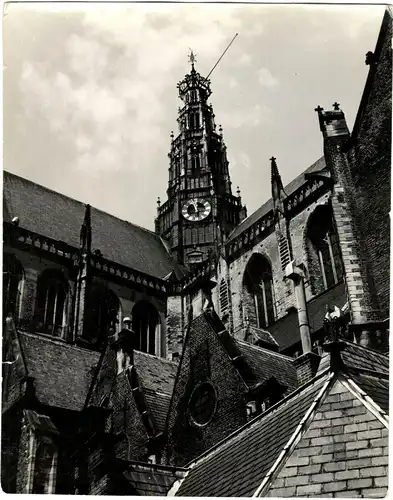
(158,202)
(336,106)
(238,191)
(192,58)
(318,109)
(220,130)
(172,136)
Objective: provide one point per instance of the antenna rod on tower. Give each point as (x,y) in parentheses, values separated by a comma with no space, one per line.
(222,55)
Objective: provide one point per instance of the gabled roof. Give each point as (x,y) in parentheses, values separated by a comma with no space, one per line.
(62,373)
(57,216)
(266,364)
(237,466)
(268,206)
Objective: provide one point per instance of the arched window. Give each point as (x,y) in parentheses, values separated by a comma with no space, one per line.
(13,276)
(146,325)
(195,162)
(50,310)
(324,258)
(258,297)
(103,313)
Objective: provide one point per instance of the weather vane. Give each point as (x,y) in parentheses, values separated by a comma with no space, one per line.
(192,57)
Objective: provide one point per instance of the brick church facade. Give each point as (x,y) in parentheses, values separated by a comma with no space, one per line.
(220,355)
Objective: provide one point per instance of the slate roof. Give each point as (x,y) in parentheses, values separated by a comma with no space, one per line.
(376,388)
(268,206)
(59,217)
(157,377)
(62,373)
(266,364)
(158,404)
(369,369)
(258,334)
(237,466)
(151,479)
(156,374)
(357,356)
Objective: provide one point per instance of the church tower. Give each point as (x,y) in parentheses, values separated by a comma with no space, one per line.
(200,210)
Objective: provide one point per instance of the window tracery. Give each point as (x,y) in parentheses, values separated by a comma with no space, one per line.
(50,311)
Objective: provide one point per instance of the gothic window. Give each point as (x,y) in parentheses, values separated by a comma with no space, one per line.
(324,259)
(13,275)
(194,121)
(103,313)
(44,469)
(258,295)
(195,162)
(50,310)
(146,326)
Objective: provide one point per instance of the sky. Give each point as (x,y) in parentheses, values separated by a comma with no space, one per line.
(90,94)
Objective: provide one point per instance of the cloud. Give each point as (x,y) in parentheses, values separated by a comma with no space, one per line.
(247,117)
(266,79)
(245,59)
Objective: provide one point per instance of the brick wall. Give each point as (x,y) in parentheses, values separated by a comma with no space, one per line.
(344,453)
(204,358)
(174,325)
(370,163)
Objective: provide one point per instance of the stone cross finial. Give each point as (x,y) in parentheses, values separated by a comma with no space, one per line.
(318,109)
(273,159)
(336,106)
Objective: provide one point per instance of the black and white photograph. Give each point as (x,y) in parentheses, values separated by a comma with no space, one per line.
(196,249)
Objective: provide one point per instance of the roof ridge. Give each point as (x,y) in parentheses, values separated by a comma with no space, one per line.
(264,349)
(259,417)
(55,341)
(80,202)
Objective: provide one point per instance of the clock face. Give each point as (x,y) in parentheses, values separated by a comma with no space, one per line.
(196,209)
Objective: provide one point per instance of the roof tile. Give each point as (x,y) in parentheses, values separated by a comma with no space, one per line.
(237,466)
(59,217)
(62,372)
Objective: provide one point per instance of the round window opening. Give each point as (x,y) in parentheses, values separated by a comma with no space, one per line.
(203,403)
